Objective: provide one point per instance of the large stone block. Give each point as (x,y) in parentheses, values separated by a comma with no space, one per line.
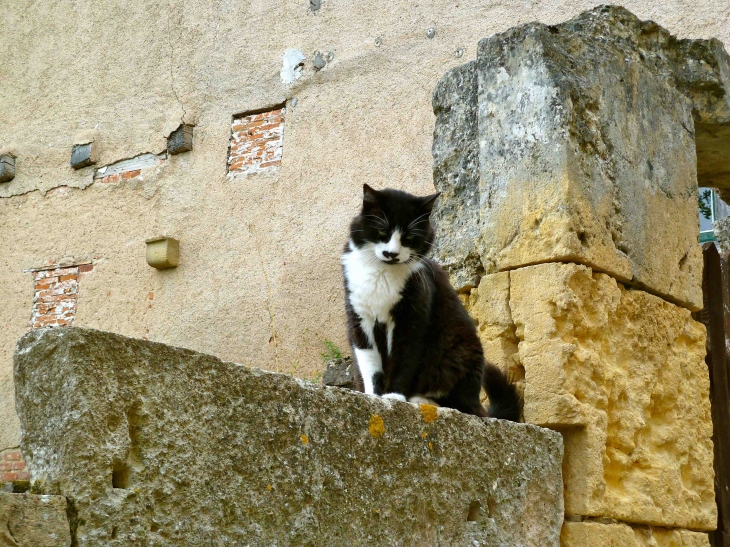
(163,446)
(621,374)
(594,534)
(27,520)
(586,151)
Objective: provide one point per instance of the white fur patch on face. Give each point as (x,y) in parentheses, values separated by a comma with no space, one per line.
(393,252)
(369,363)
(375,287)
(395,396)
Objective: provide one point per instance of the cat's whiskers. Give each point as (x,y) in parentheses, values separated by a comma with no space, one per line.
(382,220)
(415,221)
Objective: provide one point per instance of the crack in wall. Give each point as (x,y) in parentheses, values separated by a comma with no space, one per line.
(172,75)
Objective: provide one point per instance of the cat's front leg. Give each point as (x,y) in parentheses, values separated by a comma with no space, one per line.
(371,369)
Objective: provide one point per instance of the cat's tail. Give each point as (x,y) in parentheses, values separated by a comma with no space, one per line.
(504,399)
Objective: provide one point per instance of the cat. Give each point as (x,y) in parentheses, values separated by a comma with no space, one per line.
(411,336)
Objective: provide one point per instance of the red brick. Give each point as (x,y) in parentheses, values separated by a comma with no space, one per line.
(270,164)
(17,466)
(12,456)
(8,476)
(6,466)
(45,283)
(67,277)
(22,476)
(83,268)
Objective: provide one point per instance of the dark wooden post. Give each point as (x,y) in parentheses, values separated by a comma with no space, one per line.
(716,316)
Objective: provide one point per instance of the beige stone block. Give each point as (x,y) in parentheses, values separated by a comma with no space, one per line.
(595,534)
(621,374)
(539,162)
(27,520)
(278,461)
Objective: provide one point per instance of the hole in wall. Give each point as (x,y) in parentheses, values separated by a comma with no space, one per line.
(120,474)
(473,513)
(115,532)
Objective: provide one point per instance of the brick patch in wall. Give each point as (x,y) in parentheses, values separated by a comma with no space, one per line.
(12,466)
(56,295)
(128,169)
(257,142)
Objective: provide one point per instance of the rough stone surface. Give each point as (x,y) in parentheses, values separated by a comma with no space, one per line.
(586,150)
(456,176)
(27,520)
(593,534)
(722,233)
(338,373)
(118,425)
(621,374)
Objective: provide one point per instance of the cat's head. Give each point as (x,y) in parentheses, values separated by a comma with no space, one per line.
(394,225)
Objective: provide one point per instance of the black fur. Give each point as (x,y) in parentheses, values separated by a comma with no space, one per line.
(435,346)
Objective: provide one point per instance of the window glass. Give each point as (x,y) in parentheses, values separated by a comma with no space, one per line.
(711,208)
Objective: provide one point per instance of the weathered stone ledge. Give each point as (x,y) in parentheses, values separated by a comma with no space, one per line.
(156,445)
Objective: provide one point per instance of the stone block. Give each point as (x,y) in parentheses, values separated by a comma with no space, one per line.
(83,155)
(163,252)
(7,168)
(164,446)
(27,520)
(180,140)
(621,374)
(338,373)
(586,151)
(594,534)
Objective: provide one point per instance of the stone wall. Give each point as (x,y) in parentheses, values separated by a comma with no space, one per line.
(116,425)
(568,160)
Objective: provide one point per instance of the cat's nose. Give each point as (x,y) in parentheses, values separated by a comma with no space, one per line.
(388,254)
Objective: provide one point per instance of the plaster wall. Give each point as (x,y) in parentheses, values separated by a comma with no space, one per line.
(259,278)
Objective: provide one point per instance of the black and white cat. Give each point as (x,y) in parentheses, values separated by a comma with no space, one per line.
(412,338)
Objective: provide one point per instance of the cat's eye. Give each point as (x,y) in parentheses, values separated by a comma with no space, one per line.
(382,233)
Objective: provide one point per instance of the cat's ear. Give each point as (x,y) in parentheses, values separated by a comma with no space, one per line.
(369,196)
(428,201)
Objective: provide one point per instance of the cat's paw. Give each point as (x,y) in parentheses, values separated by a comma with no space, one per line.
(418,400)
(394,396)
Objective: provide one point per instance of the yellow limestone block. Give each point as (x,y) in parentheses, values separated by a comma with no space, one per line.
(621,374)
(594,534)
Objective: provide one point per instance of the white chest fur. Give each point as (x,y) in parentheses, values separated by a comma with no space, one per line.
(375,287)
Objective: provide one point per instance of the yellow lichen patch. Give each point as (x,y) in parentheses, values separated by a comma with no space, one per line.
(430,445)
(269,488)
(424,434)
(376,427)
(430,413)
(304,439)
